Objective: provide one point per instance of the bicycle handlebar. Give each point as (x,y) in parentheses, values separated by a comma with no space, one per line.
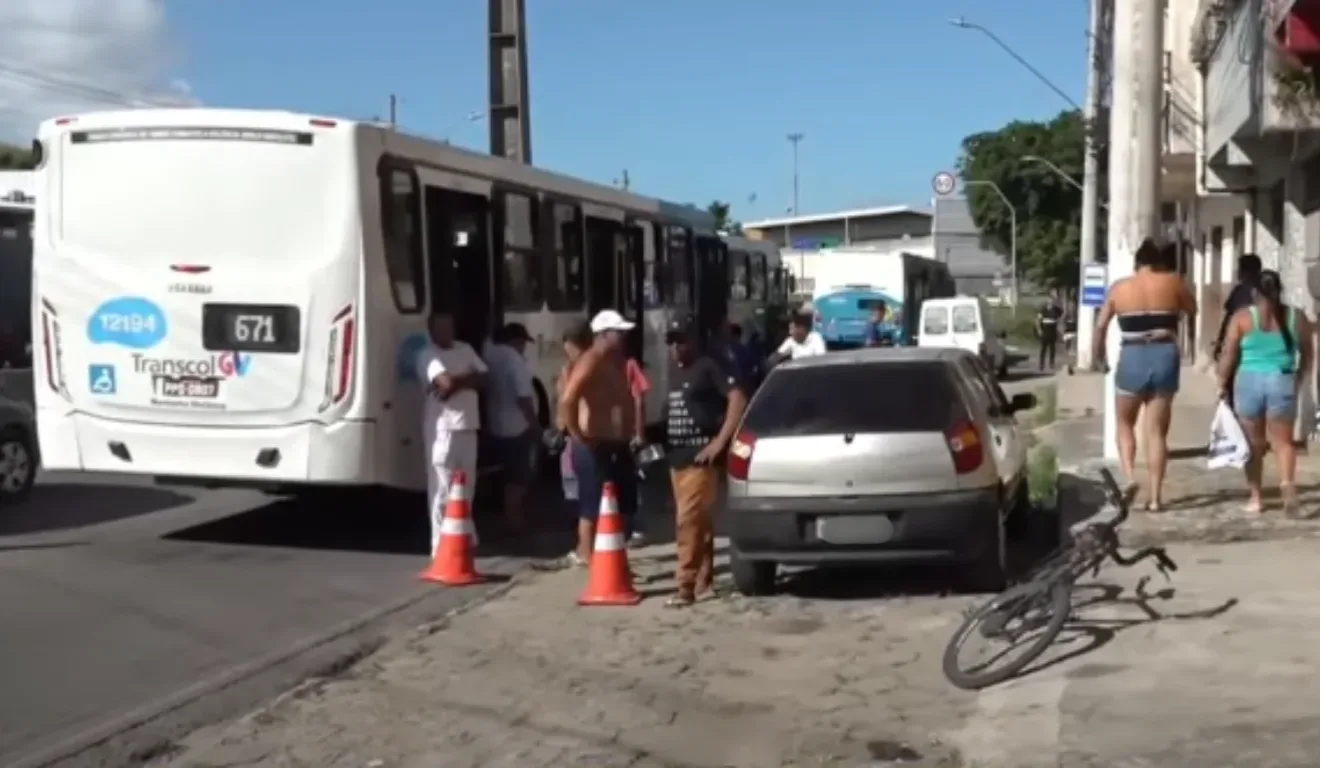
(1114,495)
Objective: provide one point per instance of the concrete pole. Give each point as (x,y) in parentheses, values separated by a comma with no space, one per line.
(1135,157)
(1090,184)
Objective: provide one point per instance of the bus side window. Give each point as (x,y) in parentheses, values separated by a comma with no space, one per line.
(400,220)
(756,266)
(564,279)
(653,271)
(738,278)
(521,262)
(679,288)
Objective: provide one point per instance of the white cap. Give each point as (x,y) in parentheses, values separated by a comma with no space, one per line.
(609,320)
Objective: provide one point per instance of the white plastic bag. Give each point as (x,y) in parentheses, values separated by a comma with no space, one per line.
(1228,443)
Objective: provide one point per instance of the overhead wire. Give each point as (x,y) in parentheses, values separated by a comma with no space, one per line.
(73,88)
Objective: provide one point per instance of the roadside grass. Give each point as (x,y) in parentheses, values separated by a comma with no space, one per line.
(1047,406)
(1043,476)
(1020,327)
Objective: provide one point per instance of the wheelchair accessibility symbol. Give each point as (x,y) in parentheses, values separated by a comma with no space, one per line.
(101,379)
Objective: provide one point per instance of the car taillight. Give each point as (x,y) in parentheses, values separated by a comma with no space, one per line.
(965,446)
(740,455)
(52,350)
(339,358)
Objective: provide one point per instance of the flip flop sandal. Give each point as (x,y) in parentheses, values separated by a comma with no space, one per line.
(680,601)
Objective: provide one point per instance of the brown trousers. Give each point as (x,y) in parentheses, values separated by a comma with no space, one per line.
(696,492)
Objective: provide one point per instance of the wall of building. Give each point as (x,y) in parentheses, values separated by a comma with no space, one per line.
(957,242)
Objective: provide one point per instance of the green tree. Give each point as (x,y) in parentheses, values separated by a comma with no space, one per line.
(1049,207)
(722,213)
(12,158)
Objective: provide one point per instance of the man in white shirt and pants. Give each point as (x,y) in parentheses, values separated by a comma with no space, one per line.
(452,373)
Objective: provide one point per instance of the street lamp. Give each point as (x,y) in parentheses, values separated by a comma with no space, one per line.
(1059,171)
(1079,186)
(1012,235)
(962,23)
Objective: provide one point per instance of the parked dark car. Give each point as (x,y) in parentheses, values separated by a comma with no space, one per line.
(18,450)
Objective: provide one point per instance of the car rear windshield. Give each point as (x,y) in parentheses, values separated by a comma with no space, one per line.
(935,321)
(853,398)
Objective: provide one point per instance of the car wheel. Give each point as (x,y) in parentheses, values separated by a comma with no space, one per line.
(989,571)
(753,578)
(18,466)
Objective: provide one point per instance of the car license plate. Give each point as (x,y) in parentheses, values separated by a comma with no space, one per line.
(854,529)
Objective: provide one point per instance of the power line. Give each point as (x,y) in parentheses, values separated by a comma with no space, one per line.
(73,88)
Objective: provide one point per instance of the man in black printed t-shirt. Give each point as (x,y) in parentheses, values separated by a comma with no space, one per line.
(704,405)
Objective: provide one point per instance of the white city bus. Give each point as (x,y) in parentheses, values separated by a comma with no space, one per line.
(236,297)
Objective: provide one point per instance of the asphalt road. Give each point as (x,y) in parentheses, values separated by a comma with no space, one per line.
(122,600)
(134,613)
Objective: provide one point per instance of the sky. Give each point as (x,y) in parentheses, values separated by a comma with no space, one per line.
(694,98)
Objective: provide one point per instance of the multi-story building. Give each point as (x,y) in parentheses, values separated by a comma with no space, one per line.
(1256,158)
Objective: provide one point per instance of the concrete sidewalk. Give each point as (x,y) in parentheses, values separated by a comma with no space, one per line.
(1206,675)
(1200,504)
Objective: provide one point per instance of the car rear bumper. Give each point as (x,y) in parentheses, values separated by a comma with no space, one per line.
(955,526)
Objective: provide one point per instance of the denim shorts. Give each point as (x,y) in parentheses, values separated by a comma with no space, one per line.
(1148,370)
(1270,396)
(608,462)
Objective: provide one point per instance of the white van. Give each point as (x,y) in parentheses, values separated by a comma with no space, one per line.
(963,322)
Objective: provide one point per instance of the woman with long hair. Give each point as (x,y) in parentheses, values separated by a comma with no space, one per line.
(1149,306)
(1267,355)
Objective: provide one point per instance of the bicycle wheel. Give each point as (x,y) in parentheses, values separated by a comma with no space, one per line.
(1037,604)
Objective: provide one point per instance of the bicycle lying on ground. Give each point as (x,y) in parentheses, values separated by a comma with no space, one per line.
(1044,601)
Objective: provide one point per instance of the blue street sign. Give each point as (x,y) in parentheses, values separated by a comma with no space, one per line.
(1095,278)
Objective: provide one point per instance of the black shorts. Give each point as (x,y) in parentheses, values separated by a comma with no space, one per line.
(514,456)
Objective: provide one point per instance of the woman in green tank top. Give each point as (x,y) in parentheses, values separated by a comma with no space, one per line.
(1267,355)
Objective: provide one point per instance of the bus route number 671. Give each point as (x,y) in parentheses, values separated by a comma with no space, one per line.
(259,329)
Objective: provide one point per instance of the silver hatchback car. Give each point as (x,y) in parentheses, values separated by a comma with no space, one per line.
(877,456)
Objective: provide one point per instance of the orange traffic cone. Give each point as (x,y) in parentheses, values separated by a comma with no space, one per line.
(609,579)
(452,562)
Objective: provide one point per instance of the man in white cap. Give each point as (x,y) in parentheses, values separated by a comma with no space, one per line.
(597,406)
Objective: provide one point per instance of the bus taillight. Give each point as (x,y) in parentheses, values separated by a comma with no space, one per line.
(339,358)
(52,349)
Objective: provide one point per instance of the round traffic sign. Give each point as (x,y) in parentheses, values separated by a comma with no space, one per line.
(944,183)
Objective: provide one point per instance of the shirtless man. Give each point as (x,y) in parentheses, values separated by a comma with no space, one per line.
(597,408)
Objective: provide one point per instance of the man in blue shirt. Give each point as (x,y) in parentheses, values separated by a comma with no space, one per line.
(878,333)
(743,356)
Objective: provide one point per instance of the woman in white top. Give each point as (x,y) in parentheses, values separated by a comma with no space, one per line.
(801,341)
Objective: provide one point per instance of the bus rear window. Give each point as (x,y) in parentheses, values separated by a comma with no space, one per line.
(203,195)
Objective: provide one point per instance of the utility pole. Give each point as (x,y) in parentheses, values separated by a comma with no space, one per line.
(509,112)
(1135,157)
(627,182)
(1090,182)
(795,139)
(394,111)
